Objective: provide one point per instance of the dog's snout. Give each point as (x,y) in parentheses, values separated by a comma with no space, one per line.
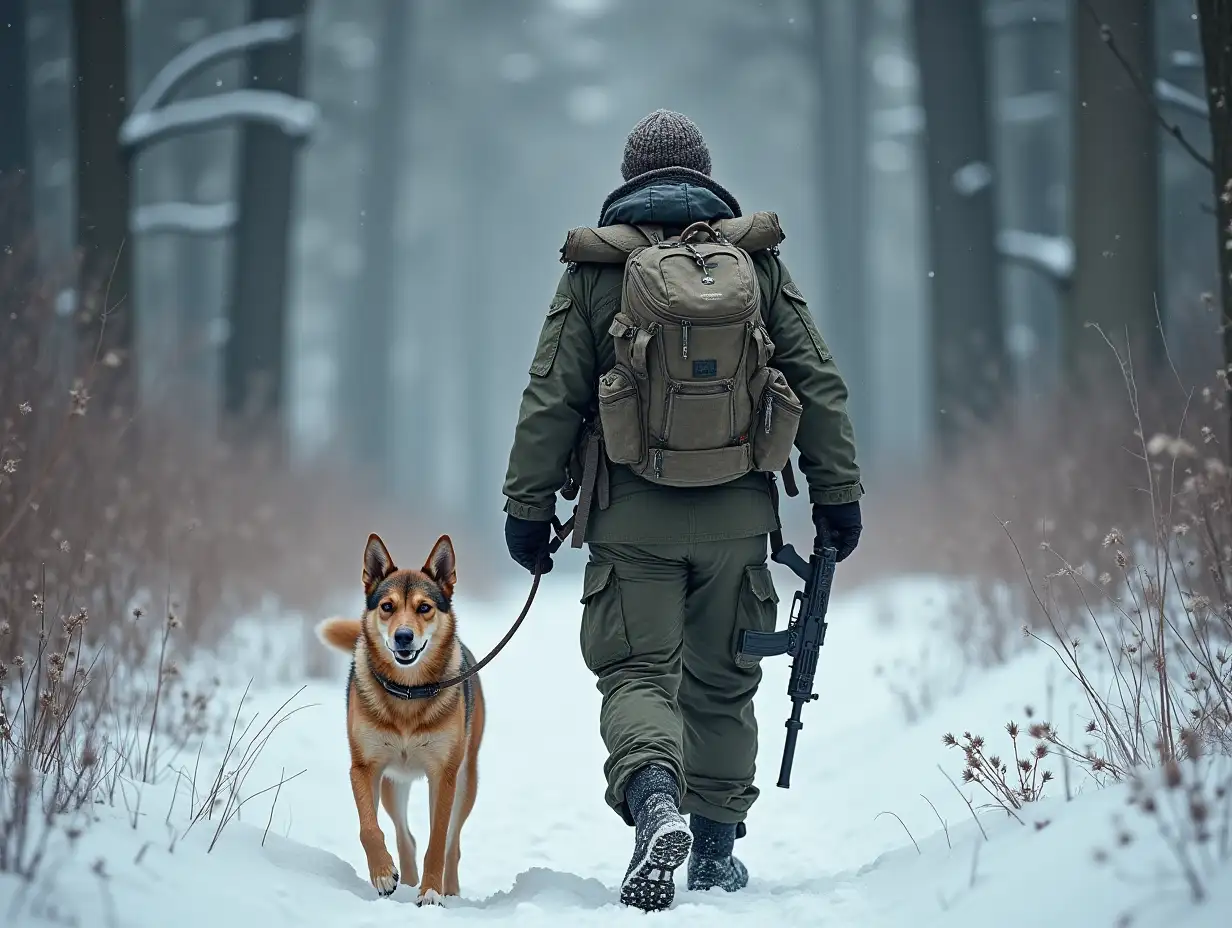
(404,639)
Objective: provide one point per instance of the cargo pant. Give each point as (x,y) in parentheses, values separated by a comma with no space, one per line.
(659,631)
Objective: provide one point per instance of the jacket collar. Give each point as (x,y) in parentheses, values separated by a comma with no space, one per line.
(698,196)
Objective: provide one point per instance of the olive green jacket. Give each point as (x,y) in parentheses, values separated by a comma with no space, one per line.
(575,349)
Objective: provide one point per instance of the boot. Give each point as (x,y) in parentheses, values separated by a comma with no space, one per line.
(712,864)
(661,842)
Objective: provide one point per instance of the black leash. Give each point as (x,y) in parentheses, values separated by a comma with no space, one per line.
(429,690)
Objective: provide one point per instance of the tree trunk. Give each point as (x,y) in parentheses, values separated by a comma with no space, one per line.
(1215,23)
(366,382)
(15,147)
(1028,57)
(841,36)
(100,35)
(257,314)
(968,342)
(1115,198)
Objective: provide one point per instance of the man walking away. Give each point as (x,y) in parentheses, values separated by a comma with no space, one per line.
(669,423)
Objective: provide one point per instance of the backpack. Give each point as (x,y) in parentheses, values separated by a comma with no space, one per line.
(692,399)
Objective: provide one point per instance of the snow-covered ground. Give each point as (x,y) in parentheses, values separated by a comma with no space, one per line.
(541,848)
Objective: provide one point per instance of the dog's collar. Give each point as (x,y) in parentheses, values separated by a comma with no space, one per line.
(402,691)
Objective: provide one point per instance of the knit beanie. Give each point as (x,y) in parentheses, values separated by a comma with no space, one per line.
(664,139)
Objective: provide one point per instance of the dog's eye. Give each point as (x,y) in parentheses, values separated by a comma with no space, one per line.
(424,608)
(387,607)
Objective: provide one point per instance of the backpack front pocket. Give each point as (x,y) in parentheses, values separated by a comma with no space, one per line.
(699,416)
(775,426)
(620,416)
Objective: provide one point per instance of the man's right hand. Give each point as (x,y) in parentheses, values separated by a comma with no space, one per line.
(527,541)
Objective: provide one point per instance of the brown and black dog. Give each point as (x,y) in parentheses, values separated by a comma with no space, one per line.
(408,637)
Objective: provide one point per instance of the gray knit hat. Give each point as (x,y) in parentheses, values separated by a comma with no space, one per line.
(664,139)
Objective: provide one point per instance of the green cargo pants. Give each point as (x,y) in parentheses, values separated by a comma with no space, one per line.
(659,631)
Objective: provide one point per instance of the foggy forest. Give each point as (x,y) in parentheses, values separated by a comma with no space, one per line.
(273,277)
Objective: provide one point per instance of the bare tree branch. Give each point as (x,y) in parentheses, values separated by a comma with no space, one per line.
(1145,92)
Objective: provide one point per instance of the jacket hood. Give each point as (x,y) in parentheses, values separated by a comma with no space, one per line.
(669,197)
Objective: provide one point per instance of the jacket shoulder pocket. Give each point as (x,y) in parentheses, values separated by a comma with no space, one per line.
(549,336)
(800,305)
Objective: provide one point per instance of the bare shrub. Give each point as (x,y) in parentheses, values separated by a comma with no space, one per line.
(130,541)
(1008,791)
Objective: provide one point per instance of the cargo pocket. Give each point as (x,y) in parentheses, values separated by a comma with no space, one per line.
(756,610)
(776,423)
(603,638)
(620,416)
(549,336)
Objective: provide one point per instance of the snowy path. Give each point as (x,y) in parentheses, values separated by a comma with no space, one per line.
(541,848)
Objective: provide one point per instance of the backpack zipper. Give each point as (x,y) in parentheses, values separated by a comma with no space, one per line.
(658,463)
(769,411)
(684,338)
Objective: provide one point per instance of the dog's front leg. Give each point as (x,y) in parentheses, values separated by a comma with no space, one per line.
(442,784)
(381,870)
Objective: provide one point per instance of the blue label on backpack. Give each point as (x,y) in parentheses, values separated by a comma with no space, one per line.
(708,368)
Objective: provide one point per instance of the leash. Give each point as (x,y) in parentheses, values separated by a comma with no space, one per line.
(429,690)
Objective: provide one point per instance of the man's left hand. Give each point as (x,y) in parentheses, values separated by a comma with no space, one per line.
(527,541)
(838,526)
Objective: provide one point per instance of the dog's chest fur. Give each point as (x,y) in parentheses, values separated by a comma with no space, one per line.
(404,757)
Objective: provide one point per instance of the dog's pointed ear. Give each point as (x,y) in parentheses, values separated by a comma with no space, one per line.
(378,564)
(441,566)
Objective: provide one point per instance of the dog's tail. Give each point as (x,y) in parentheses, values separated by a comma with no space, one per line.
(339,633)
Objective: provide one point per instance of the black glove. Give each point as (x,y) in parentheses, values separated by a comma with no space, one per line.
(838,526)
(527,541)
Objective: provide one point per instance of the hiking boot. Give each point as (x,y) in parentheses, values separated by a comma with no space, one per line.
(661,841)
(711,863)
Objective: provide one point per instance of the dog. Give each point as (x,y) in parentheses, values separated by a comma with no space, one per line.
(407,637)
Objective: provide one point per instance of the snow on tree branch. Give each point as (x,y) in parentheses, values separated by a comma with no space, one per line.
(193,218)
(210,50)
(1168,92)
(294,116)
(1051,255)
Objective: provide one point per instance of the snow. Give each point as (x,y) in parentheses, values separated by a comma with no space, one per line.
(293,116)
(197,218)
(209,50)
(1187,101)
(1051,254)
(541,848)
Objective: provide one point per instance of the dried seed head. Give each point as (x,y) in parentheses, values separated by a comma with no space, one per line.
(1041,751)
(1172,774)
(1121,560)
(949,740)
(1012,728)
(1198,810)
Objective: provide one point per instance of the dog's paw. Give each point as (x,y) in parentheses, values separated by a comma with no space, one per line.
(430,897)
(384,879)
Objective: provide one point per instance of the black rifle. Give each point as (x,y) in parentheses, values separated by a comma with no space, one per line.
(802,638)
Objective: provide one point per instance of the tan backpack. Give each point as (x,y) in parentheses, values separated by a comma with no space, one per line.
(692,399)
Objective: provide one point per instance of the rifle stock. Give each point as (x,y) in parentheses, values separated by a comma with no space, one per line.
(802,638)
